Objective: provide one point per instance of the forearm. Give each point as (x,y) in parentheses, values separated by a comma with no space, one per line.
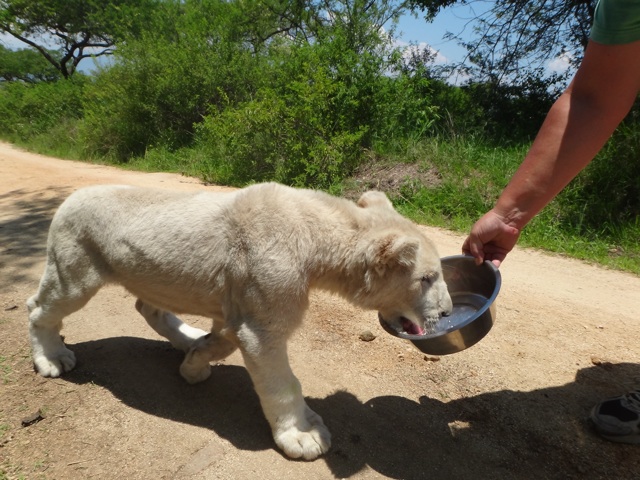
(576,128)
(569,139)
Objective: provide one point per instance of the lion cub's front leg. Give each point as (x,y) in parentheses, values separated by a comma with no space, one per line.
(297,430)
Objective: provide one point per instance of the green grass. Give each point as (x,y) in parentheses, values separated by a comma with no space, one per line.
(472,176)
(5,369)
(10,471)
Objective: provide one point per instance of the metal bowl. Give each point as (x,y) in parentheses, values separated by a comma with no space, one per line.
(473,289)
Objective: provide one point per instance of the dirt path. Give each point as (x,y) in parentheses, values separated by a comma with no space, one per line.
(513,406)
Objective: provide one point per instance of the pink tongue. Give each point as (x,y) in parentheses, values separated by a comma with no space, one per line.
(411,328)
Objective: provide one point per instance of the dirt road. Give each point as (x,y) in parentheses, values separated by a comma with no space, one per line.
(513,406)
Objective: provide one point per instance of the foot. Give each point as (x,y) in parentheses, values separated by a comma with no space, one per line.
(618,419)
(307,441)
(54,364)
(194,373)
(50,355)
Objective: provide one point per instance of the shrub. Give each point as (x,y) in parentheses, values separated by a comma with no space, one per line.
(163,83)
(286,139)
(28,110)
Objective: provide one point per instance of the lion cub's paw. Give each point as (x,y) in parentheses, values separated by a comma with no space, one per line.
(194,375)
(56,364)
(309,444)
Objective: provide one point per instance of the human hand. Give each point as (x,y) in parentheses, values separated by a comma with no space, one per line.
(491,238)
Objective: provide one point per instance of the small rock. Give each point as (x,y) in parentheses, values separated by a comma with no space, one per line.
(596,360)
(12,307)
(429,358)
(31,419)
(458,427)
(367,336)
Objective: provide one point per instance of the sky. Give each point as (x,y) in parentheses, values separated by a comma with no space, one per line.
(452,19)
(456,20)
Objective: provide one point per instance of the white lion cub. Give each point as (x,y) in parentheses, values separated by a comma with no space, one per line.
(246,259)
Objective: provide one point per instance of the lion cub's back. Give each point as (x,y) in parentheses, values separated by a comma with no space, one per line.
(119,202)
(105,211)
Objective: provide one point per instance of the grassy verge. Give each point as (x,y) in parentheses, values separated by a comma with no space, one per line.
(469,178)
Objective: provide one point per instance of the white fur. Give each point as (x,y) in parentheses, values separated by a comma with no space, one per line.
(247,260)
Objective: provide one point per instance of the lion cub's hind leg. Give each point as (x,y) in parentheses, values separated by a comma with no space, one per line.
(61,292)
(169,326)
(50,355)
(201,347)
(210,348)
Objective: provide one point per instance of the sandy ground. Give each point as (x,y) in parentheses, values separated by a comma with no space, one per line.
(514,406)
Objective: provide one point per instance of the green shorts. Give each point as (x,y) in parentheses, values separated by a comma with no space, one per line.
(616,21)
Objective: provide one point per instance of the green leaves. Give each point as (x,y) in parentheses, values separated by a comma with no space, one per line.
(295,96)
(26,65)
(30,110)
(81,28)
(297,130)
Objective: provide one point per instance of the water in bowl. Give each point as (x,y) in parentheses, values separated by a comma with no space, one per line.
(465,306)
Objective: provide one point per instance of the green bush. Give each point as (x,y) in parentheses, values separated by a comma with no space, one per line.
(26,65)
(30,110)
(163,83)
(499,113)
(296,138)
(404,110)
(319,107)
(514,112)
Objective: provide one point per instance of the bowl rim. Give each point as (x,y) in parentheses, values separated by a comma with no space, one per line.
(460,326)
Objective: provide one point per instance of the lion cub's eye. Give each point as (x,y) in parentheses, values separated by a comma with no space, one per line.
(429,278)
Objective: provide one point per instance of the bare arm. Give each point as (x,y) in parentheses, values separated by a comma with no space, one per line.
(576,128)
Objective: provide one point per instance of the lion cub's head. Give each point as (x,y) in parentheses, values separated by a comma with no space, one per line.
(404,280)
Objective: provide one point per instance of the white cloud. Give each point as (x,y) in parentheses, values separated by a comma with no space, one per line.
(455,78)
(438,58)
(409,48)
(561,63)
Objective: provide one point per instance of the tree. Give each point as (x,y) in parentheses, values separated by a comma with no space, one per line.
(81,28)
(515,38)
(307,20)
(26,65)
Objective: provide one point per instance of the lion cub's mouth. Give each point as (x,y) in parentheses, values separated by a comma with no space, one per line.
(411,328)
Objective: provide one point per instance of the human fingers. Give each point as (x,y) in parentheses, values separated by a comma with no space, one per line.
(473,246)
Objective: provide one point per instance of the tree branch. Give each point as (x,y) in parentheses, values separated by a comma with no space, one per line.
(40,49)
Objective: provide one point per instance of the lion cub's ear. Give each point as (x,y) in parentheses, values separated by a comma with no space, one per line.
(391,249)
(373,198)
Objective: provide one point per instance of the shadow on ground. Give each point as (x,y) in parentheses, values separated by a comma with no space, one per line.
(397,437)
(23,235)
